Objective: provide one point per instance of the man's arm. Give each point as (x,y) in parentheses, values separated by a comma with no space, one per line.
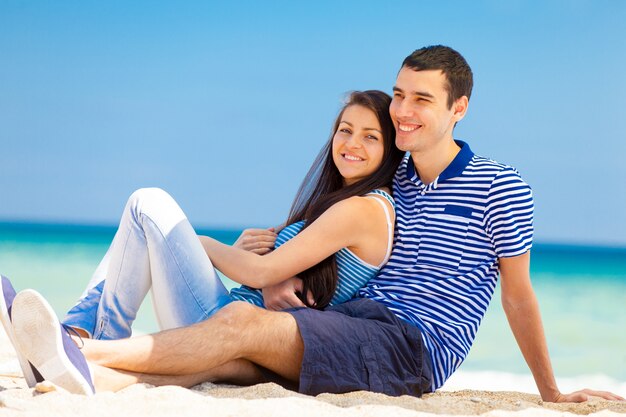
(522,312)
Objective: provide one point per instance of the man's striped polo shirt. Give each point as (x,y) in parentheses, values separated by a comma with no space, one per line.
(449,235)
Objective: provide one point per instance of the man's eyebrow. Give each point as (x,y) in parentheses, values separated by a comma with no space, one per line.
(415,93)
(422,94)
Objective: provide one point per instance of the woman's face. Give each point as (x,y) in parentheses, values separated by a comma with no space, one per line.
(358,145)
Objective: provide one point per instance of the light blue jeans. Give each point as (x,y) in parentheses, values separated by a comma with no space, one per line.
(155,248)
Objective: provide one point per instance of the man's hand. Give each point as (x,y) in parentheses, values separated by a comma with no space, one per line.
(283,295)
(522,311)
(583,395)
(259,241)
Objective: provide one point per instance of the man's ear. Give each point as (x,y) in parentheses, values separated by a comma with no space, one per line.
(460,108)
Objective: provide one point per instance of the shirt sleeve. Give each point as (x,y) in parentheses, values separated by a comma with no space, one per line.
(509,214)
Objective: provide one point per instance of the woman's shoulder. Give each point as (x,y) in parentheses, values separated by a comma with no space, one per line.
(365,204)
(382,192)
(385,190)
(381,196)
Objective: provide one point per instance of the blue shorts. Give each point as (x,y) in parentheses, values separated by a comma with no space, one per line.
(361,345)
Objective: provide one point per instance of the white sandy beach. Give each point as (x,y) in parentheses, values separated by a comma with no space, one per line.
(501,397)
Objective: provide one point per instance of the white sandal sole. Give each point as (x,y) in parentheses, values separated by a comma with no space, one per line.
(38,333)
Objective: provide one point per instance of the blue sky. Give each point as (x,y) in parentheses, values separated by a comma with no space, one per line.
(226,105)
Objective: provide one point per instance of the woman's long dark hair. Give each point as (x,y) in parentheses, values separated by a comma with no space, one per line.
(323,186)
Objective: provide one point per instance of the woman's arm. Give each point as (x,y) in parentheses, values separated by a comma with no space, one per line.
(350,223)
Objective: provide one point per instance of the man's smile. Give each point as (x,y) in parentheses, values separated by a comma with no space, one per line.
(406,127)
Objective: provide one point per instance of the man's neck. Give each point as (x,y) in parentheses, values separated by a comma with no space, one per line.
(432,162)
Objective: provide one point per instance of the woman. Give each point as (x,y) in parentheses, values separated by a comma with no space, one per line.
(339,234)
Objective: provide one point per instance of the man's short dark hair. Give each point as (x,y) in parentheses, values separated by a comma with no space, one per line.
(438,57)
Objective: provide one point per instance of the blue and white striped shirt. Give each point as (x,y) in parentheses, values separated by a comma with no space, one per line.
(449,235)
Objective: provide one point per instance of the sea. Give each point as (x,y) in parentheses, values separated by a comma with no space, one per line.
(581,291)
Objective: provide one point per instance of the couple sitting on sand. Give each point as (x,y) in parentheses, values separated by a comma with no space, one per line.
(357,313)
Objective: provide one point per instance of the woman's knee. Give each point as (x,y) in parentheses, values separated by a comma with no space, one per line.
(157,205)
(150,195)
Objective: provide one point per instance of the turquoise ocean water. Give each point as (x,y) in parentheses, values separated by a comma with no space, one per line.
(581,290)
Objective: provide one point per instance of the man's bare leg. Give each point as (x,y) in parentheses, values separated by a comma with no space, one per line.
(238,331)
(239,372)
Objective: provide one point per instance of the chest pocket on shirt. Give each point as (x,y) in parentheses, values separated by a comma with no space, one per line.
(443,237)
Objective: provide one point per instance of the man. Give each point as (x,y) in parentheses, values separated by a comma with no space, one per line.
(461,220)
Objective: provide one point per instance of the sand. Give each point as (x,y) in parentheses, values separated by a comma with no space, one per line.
(207,399)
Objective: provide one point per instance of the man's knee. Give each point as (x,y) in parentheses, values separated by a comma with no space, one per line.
(238,314)
(246,320)
(268,338)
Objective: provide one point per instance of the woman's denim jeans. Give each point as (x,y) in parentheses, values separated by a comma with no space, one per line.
(154,248)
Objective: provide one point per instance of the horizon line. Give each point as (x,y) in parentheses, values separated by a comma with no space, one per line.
(109,228)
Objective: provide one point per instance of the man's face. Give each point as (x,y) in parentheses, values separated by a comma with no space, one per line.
(419,110)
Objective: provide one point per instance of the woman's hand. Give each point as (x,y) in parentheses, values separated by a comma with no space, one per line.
(283,295)
(259,241)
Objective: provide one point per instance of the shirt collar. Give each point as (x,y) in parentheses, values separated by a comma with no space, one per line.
(454,169)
